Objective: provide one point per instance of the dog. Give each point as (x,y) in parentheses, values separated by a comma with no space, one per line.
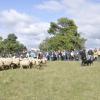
(87,61)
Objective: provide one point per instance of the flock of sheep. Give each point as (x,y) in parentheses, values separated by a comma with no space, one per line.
(12,63)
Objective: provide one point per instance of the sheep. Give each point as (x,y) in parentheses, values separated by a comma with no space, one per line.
(1,65)
(15,63)
(38,63)
(7,63)
(25,63)
(33,62)
(44,61)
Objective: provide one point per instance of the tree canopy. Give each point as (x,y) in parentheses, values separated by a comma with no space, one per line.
(64,36)
(10,45)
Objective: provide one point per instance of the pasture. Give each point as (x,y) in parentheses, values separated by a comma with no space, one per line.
(59,80)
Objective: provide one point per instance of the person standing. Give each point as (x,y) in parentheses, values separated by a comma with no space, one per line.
(83,56)
(95,54)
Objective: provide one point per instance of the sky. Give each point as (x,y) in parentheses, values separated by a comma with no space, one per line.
(30,19)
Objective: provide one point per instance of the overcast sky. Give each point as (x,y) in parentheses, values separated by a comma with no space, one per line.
(30,19)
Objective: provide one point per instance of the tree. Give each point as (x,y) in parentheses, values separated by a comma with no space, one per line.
(1,45)
(12,37)
(11,45)
(64,36)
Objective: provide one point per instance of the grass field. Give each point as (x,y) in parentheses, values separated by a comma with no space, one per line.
(57,81)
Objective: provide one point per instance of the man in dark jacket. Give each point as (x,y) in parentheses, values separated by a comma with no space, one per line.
(83,56)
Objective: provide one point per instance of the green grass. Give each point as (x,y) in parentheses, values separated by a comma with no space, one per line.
(58,81)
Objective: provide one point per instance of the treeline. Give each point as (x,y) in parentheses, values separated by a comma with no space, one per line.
(10,45)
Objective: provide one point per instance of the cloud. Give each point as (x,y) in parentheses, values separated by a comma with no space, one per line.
(52,5)
(86,14)
(29,30)
(95,43)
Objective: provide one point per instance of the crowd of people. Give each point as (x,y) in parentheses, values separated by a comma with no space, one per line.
(73,55)
(64,55)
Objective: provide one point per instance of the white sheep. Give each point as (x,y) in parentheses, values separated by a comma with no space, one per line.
(15,63)
(7,62)
(25,63)
(44,61)
(1,64)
